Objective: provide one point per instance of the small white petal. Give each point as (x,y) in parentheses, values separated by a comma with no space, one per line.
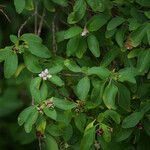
(44,78)
(46,71)
(40,75)
(49,76)
(83,34)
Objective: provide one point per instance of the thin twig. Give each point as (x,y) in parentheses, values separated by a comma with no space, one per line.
(41,23)
(40,144)
(32,101)
(54,37)
(5,15)
(45,22)
(35,18)
(22,26)
(70,75)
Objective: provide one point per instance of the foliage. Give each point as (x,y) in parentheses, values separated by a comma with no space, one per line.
(77,74)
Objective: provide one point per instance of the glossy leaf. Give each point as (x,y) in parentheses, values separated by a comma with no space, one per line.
(109,96)
(63,104)
(132,120)
(115,22)
(51,113)
(96,22)
(93,45)
(10,65)
(83,88)
(19,5)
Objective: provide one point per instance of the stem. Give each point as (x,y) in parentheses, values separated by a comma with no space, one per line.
(40,144)
(54,37)
(5,15)
(35,19)
(41,23)
(22,26)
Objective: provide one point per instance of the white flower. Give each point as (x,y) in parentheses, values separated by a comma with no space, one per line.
(45,74)
(85,32)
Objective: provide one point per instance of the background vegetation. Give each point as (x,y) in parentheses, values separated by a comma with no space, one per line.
(74,74)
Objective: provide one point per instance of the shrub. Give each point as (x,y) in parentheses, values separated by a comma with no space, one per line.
(84,66)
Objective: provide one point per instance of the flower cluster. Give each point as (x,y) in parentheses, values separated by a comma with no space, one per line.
(45,74)
(49,104)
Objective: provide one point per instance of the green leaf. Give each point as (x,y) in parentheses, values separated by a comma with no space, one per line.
(49,6)
(115,22)
(19,5)
(41,125)
(138,35)
(51,143)
(88,139)
(10,65)
(120,34)
(83,88)
(4,53)
(147,126)
(123,97)
(54,130)
(31,38)
(71,32)
(143,62)
(39,50)
(63,104)
(96,22)
(35,46)
(132,120)
(60,36)
(145,3)
(82,47)
(145,107)
(112,114)
(63,3)
(72,66)
(102,72)
(109,56)
(31,120)
(67,132)
(110,33)
(72,46)
(133,24)
(109,96)
(147,14)
(80,121)
(32,63)
(93,45)
(127,74)
(96,5)
(55,69)
(29,5)
(51,113)
(56,80)
(123,134)
(148,35)
(106,134)
(38,91)
(134,53)
(23,116)
(13,38)
(78,13)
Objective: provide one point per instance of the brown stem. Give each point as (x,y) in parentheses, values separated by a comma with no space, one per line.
(54,37)
(41,23)
(35,19)
(22,26)
(5,15)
